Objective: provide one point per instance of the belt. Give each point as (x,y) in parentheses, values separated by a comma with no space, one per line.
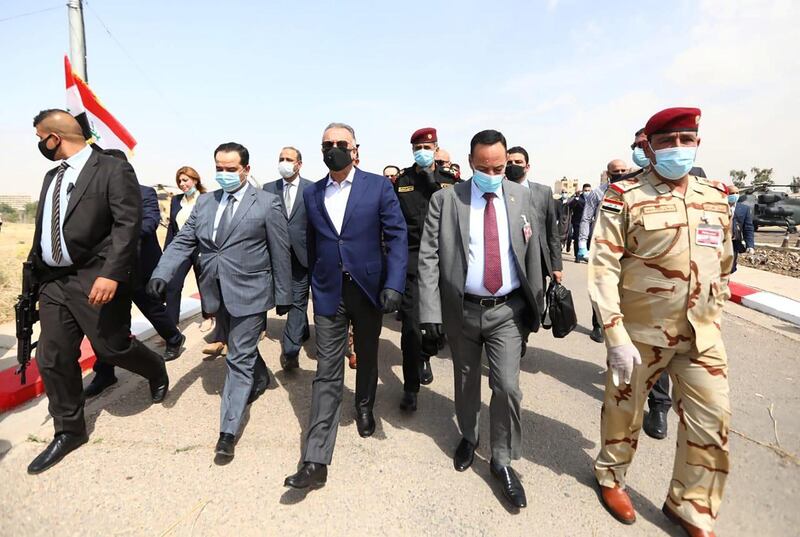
(490,301)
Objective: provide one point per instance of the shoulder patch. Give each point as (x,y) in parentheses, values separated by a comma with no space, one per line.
(611,205)
(446,185)
(719,185)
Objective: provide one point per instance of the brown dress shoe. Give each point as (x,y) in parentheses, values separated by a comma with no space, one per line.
(352,362)
(214,348)
(690,529)
(618,503)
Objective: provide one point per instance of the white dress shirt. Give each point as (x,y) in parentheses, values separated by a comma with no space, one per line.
(226,196)
(290,193)
(336,196)
(187,204)
(76,163)
(474,283)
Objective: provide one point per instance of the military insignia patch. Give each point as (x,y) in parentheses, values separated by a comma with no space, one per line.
(655,209)
(716,207)
(612,205)
(409,188)
(446,185)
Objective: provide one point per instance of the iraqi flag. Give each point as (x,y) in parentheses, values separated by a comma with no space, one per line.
(98,125)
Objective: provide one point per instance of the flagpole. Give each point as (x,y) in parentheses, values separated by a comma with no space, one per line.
(77,38)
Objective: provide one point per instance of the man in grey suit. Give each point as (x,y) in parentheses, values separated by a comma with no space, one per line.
(545,217)
(480,278)
(289,190)
(245,270)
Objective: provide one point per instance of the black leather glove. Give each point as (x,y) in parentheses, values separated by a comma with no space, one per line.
(282,310)
(390,300)
(432,338)
(156,288)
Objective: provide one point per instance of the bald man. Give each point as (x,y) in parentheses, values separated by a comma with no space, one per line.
(615,170)
(83,255)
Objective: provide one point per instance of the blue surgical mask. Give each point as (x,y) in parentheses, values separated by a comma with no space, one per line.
(191,191)
(639,158)
(674,163)
(229,181)
(733,198)
(487,183)
(423,157)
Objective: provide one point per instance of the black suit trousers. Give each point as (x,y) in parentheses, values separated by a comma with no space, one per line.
(66,316)
(410,336)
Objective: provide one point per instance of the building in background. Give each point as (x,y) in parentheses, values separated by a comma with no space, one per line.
(565,185)
(16,201)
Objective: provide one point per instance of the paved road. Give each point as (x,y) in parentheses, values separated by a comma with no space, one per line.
(148,470)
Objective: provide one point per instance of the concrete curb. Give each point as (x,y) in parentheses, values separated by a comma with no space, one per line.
(13,394)
(778,306)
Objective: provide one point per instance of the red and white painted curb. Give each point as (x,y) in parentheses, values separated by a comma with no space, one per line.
(765,302)
(13,394)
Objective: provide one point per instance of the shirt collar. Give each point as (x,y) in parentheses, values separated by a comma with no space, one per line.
(348,179)
(290,183)
(238,194)
(78,160)
(478,193)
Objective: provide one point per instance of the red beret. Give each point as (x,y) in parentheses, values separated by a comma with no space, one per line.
(673,120)
(424,136)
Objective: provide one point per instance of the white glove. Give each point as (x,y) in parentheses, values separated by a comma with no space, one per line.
(621,360)
(750,251)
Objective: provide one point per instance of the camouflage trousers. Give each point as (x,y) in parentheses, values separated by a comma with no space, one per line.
(700,399)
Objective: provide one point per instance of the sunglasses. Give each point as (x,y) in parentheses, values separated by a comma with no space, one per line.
(341,144)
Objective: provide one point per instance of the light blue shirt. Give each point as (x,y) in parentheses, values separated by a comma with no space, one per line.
(474,283)
(76,163)
(238,195)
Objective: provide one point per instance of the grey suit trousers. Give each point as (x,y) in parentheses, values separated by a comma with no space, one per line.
(500,331)
(245,365)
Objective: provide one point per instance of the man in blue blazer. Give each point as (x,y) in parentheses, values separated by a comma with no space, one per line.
(357,257)
(289,188)
(743,230)
(153,310)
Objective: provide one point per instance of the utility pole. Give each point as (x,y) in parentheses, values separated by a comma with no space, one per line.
(77,38)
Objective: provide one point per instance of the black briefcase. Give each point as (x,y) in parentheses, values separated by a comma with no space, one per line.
(559,310)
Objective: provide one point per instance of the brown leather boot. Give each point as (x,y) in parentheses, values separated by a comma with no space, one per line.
(618,503)
(690,529)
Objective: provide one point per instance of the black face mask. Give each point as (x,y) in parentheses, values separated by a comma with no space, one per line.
(515,172)
(337,159)
(614,177)
(49,154)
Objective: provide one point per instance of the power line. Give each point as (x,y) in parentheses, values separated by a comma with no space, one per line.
(146,77)
(13,17)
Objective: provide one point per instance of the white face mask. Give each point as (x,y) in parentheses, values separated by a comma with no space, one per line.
(286,169)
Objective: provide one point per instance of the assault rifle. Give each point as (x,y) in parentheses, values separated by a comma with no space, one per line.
(27,316)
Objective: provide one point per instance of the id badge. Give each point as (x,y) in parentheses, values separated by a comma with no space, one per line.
(708,235)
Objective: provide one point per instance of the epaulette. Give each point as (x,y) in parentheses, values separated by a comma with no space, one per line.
(719,185)
(625,185)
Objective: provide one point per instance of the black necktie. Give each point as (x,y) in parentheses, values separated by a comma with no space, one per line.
(55,221)
(225,221)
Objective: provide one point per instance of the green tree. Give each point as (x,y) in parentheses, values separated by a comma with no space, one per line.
(762,177)
(738,177)
(9,213)
(795,184)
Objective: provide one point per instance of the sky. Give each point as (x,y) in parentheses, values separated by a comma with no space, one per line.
(570,81)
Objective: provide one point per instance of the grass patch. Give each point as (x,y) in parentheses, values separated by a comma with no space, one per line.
(15,243)
(35,439)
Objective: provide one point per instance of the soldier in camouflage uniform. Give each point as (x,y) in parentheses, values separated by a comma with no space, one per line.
(658,279)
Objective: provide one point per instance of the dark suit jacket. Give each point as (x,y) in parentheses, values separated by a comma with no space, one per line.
(174,209)
(743,227)
(296,221)
(250,265)
(101,222)
(149,249)
(372,214)
(547,220)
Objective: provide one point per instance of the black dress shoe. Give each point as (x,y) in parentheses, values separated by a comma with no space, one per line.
(311,474)
(61,445)
(597,334)
(425,372)
(465,454)
(655,423)
(289,362)
(173,351)
(409,402)
(98,385)
(365,422)
(512,486)
(259,387)
(225,445)
(159,387)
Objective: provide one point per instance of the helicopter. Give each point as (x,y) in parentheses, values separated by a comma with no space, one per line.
(772,207)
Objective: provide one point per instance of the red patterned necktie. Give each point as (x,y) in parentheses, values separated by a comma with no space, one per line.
(492,273)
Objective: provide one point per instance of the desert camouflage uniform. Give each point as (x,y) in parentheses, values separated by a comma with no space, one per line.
(653,285)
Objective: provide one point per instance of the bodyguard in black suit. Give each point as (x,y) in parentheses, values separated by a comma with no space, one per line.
(153,310)
(84,255)
(290,190)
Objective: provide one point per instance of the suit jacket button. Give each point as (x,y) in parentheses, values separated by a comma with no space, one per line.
(341,242)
